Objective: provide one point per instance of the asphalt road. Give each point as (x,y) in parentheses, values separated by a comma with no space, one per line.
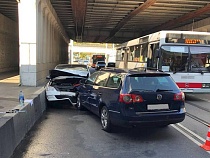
(67,133)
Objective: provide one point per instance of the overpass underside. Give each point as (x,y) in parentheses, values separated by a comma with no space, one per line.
(38,41)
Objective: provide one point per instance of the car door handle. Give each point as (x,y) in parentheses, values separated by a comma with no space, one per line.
(89,91)
(99,93)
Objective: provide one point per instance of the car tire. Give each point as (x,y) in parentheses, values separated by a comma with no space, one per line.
(79,105)
(105,119)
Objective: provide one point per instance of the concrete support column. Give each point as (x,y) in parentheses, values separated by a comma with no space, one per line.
(43,41)
(27,41)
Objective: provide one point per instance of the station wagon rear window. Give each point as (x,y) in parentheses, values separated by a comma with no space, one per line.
(151,83)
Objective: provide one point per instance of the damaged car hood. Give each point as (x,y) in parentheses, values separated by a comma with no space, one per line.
(67,72)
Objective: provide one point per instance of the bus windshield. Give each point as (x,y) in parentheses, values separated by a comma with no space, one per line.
(185,58)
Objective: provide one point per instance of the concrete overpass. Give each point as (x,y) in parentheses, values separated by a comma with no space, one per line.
(35,34)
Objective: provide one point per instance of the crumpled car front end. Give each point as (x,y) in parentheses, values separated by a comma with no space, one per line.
(63,87)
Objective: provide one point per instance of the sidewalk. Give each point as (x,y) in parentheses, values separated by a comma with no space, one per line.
(9,91)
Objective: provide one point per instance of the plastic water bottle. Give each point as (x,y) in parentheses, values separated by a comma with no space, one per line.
(21,98)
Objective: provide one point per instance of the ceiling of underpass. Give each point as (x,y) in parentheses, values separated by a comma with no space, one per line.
(117,21)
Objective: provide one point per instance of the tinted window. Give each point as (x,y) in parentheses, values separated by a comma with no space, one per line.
(187,38)
(101,62)
(102,78)
(174,58)
(114,81)
(92,78)
(142,83)
(111,65)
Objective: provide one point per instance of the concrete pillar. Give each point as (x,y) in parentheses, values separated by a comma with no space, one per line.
(43,41)
(27,41)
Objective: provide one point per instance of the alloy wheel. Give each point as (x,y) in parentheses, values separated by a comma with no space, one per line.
(105,120)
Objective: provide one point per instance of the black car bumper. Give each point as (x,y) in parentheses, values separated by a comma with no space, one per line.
(147,119)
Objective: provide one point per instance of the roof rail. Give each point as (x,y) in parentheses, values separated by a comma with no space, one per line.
(120,70)
(145,69)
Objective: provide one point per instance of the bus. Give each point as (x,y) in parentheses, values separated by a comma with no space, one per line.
(96,58)
(185,55)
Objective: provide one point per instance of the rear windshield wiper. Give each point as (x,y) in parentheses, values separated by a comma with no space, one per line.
(162,90)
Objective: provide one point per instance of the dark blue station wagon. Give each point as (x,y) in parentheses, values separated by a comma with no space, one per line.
(131,98)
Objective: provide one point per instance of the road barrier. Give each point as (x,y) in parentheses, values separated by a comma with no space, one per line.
(17,122)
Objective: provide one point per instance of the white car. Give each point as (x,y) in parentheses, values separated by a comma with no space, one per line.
(62,83)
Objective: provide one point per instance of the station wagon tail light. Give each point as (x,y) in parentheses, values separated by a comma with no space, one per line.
(130,98)
(179,96)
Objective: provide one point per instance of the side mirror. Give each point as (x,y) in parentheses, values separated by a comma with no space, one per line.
(157,53)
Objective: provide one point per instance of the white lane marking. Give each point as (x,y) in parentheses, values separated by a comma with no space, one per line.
(191,132)
(188,136)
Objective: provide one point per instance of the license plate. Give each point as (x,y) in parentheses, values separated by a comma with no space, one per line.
(157,106)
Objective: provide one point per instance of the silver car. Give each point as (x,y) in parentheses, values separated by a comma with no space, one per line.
(100,64)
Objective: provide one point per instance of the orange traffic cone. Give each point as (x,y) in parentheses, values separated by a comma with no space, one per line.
(206,146)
